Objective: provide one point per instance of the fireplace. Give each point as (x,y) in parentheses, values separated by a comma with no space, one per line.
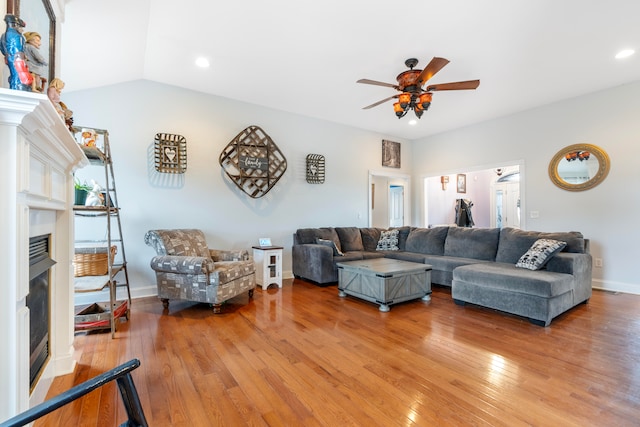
(39,302)
(38,156)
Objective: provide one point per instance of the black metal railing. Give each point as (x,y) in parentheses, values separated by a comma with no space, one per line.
(122,375)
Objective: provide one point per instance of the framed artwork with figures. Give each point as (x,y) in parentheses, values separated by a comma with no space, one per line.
(461,183)
(390,154)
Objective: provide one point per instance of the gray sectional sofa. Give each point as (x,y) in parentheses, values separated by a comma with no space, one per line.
(479,264)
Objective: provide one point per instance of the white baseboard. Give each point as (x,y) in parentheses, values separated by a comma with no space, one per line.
(85,298)
(628,288)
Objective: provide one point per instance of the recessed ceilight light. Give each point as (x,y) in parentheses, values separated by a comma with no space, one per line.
(413,122)
(625,53)
(202,62)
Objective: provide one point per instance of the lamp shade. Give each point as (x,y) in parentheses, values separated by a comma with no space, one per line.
(425,100)
(404,99)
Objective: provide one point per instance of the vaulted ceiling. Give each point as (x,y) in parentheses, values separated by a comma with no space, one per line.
(305,56)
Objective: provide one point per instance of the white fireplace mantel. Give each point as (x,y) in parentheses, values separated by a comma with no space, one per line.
(38,156)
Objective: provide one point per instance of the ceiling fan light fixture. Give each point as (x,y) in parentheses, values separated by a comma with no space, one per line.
(404,99)
(398,109)
(413,95)
(425,100)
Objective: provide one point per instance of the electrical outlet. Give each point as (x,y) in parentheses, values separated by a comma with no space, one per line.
(534,214)
(598,262)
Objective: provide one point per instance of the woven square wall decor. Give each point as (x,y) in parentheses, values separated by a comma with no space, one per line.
(170,152)
(253,162)
(315,168)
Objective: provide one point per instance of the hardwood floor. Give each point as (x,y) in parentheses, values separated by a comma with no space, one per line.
(302,356)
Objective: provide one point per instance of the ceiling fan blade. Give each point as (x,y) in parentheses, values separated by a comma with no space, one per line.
(431,69)
(379,102)
(374,82)
(469,84)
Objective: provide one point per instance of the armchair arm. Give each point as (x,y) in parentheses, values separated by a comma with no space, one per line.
(182,264)
(233,255)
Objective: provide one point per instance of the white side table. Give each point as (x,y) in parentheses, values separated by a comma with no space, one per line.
(268,260)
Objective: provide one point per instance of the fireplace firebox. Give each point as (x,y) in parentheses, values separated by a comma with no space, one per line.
(38,302)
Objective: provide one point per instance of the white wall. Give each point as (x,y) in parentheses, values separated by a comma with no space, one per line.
(606,214)
(204,198)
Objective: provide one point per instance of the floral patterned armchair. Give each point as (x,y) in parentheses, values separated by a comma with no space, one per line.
(187,269)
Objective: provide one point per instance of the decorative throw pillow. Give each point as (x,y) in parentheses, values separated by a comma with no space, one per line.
(331,244)
(388,241)
(539,253)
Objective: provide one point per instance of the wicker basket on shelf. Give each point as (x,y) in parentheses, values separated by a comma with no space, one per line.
(92,261)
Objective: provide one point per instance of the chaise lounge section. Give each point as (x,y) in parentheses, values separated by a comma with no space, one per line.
(479,264)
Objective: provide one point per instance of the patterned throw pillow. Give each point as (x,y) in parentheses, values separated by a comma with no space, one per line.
(388,241)
(331,244)
(539,253)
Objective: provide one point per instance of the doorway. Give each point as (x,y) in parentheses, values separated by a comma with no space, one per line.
(396,205)
(505,201)
(495,192)
(389,202)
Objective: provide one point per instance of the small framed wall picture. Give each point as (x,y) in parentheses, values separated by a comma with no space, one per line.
(264,241)
(390,154)
(461,183)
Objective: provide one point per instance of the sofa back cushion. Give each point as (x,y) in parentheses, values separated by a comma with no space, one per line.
(350,238)
(403,234)
(429,241)
(476,243)
(515,242)
(309,235)
(181,242)
(370,238)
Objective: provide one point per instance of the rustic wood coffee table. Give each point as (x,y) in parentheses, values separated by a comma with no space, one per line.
(384,281)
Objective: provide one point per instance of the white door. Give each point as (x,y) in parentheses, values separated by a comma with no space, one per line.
(505,204)
(396,206)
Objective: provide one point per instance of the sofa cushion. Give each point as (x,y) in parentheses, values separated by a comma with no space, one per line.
(515,242)
(331,244)
(428,241)
(476,243)
(309,235)
(404,256)
(539,253)
(350,239)
(370,237)
(388,241)
(509,278)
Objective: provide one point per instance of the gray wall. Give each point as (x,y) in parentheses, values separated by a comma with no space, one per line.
(203,198)
(605,214)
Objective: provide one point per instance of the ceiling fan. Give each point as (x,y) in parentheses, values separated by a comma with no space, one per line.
(410,83)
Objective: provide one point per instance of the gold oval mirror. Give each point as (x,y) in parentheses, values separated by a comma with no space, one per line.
(579,167)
